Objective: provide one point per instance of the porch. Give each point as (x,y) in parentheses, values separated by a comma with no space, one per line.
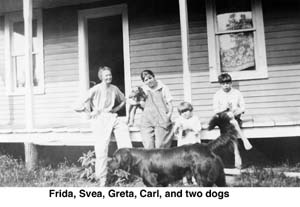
(190,79)
(254,127)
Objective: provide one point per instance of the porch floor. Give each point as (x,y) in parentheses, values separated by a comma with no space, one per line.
(271,126)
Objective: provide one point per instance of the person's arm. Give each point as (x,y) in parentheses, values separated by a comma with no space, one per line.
(119,98)
(169,99)
(142,101)
(240,105)
(83,105)
(170,109)
(216,105)
(118,107)
(177,128)
(196,125)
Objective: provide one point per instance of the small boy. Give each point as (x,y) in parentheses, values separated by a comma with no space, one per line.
(229,98)
(187,127)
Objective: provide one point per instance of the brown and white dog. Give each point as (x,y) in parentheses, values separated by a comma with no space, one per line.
(137,95)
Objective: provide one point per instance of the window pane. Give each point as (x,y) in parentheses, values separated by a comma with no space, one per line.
(36,73)
(18,66)
(234,21)
(19,70)
(233,15)
(237,52)
(18,39)
(232,6)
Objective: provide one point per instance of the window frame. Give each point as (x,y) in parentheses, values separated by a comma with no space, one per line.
(9,20)
(261,71)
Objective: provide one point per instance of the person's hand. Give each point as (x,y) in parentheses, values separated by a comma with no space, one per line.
(107,110)
(229,106)
(94,114)
(237,112)
(142,104)
(230,114)
(176,130)
(132,102)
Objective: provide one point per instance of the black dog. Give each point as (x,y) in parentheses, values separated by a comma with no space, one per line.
(228,138)
(160,167)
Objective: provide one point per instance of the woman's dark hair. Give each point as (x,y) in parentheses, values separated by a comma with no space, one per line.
(224,78)
(145,73)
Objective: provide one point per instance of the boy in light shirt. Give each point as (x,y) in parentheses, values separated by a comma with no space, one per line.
(229,98)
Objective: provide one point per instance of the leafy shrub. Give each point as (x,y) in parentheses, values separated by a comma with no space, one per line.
(87,161)
(117,178)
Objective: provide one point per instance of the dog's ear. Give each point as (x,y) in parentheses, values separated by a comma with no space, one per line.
(126,160)
(142,93)
(213,122)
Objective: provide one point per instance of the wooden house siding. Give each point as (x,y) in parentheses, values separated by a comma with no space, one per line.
(279,93)
(54,106)
(155,44)
(11,108)
(61,68)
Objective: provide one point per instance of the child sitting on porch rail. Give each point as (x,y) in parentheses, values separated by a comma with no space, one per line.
(229,98)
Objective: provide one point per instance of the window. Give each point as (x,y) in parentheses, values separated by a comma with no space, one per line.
(15,53)
(236,41)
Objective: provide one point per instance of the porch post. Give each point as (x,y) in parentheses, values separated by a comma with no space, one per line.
(184,25)
(30,149)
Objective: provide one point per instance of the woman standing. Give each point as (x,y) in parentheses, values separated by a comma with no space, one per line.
(105,100)
(156,118)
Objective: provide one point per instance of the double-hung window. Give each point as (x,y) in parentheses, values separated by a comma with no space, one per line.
(15,53)
(236,41)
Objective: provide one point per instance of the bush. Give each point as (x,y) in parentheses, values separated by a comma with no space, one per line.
(117,178)
(87,161)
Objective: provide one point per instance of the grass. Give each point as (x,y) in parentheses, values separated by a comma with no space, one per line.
(13,173)
(267,177)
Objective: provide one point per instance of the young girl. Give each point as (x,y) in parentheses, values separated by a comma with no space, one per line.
(156,117)
(187,127)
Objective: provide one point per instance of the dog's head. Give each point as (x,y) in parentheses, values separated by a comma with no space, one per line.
(122,159)
(220,119)
(138,93)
